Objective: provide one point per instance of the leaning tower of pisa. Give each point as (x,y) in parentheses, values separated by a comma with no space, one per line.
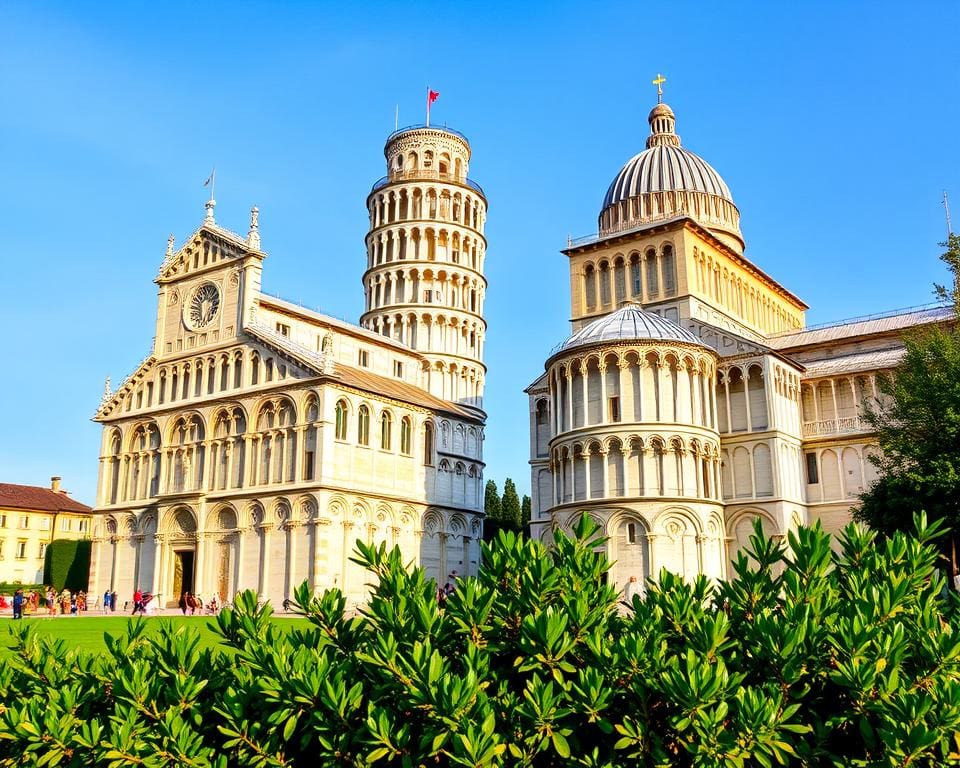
(424,281)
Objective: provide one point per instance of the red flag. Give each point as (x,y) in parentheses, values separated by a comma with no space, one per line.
(432,96)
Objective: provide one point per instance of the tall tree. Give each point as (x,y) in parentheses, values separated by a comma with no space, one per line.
(525,511)
(510,505)
(491,502)
(917,421)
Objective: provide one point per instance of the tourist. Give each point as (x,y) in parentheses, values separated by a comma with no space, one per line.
(182,603)
(137,602)
(113,601)
(18,601)
(192,604)
(51,601)
(106,601)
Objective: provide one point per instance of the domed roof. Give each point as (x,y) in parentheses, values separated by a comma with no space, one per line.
(666,167)
(629,323)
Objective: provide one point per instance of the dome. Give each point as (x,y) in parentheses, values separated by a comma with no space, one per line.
(629,323)
(665,181)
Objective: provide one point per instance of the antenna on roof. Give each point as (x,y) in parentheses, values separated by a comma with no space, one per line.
(946,208)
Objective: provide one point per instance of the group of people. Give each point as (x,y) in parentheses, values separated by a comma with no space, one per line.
(27,602)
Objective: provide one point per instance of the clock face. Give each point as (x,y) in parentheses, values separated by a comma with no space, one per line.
(203,305)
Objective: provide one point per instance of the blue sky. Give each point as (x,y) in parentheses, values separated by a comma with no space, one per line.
(834,124)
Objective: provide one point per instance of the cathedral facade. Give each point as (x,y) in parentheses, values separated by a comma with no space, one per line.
(258,441)
(691,400)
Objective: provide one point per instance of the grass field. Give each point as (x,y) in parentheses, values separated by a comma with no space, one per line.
(87,632)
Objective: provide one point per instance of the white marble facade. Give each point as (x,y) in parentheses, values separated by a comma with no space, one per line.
(260,440)
(690,400)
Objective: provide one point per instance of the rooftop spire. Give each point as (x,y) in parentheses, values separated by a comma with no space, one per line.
(170,241)
(209,205)
(253,236)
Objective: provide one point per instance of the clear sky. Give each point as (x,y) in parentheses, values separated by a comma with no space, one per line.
(834,124)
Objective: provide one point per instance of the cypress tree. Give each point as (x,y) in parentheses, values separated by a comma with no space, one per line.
(510,505)
(491,502)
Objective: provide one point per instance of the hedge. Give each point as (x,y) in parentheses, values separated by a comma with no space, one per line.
(66,564)
(807,657)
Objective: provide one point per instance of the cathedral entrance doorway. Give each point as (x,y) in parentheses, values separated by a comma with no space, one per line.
(182,572)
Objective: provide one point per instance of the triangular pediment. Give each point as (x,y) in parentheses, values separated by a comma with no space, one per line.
(209,246)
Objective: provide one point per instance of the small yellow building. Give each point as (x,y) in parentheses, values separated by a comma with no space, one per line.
(30,518)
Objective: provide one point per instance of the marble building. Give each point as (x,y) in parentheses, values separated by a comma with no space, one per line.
(690,399)
(258,440)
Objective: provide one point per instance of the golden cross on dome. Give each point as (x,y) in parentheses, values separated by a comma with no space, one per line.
(659,83)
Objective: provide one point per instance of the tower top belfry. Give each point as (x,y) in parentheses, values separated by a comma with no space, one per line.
(424,283)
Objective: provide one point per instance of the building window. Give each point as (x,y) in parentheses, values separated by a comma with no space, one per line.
(65,524)
(44,523)
(386,430)
(43,548)
(398,369)
(363,358)
(341,418)
(22,549)
(83,526)
(812,477)
(668,267)
(428,297)
(1,549)
(631,533)
(3,521)
(590,287)
(428,444)
(405,430)
(604,283)
(24,521)
(614,408)
(283,329)
(363,425)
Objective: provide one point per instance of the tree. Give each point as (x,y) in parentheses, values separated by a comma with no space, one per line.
(525,512)
(491,502)
(510,505)
(917,422)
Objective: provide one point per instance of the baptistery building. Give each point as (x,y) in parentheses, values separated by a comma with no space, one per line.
(259,440)
(690,399)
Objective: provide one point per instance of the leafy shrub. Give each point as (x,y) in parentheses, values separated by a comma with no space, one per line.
(806,658)
(66,564)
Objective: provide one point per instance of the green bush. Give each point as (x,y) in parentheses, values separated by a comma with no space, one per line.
(66,564)
(806,658)
(9,587)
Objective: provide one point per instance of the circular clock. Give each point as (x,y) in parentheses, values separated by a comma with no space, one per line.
(203,306)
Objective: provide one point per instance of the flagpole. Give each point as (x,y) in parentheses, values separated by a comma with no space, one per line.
(396,119)
(428,106)
(213,183)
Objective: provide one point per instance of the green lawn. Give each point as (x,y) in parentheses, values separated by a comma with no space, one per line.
(87,632)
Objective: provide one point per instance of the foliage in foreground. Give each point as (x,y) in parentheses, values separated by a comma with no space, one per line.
(806,658)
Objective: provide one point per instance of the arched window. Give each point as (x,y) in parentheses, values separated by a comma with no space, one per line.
(619,281)
(604,283)
(341,417)
(363,425)
(590,287)
(635,275)
(653,281)
(668,267)
(386,430)
(428,444)
(405,436)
